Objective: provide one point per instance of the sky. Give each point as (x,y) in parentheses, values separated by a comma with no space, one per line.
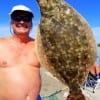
(89,9)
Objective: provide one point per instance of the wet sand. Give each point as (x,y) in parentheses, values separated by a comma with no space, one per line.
(50,85)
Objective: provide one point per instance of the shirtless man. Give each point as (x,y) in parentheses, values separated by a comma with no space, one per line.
(19,64)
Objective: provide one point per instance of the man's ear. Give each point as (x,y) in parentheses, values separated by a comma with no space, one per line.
(11,22)
(31,25)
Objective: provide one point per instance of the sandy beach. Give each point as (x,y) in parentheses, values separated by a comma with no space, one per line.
(50,85)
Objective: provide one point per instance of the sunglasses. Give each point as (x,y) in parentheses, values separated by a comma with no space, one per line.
(21,18)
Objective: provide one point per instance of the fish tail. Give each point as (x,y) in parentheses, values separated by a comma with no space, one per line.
(76,96)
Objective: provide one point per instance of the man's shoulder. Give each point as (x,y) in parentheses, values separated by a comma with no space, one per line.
(32,39)
(4,38)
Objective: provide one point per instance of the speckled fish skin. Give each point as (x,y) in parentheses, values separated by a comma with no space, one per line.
(65,43)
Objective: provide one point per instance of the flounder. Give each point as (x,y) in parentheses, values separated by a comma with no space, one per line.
(65,44)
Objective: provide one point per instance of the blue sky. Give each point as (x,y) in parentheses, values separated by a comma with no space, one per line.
(89,9)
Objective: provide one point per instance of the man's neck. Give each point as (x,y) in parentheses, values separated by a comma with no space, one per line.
(22,38)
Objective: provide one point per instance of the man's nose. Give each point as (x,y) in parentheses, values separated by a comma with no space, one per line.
(21,21)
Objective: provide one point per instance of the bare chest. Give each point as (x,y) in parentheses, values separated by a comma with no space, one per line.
(14,54)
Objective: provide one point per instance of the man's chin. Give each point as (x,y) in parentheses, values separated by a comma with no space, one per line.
(21,32)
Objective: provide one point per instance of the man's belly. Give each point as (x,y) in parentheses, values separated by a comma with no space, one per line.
(19,83)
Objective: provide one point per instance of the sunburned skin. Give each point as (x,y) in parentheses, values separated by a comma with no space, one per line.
(19,70)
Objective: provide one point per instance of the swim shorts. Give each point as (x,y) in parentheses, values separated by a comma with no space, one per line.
(39,98)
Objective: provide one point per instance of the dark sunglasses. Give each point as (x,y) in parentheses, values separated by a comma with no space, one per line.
(21,18)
